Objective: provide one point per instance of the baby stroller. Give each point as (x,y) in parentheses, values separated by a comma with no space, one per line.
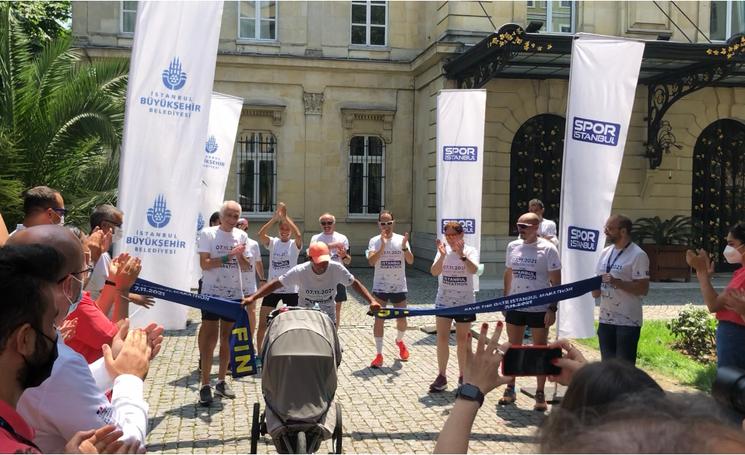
(300,357)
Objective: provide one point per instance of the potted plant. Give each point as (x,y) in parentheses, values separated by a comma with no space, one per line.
(665,242)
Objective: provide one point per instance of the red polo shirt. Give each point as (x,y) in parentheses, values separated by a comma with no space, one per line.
(19,439)
(93,330)
(737,282)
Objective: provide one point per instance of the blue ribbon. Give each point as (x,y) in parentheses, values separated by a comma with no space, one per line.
(511,302)
(242,354)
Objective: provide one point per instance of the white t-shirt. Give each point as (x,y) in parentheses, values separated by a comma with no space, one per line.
(333,238)
(547,228)
(282,257)
(455,283)
(390,268)
(72,399)
(222,281)
(317,289)
(253,254)
(530,264)
(99,275)
(617,306)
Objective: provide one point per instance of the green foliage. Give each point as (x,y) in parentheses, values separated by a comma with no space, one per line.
(61,121)
(674,231)
(656,353)
(42,21)
(695,332)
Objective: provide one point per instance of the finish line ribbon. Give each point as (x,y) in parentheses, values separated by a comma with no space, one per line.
(242,355)
(511,302)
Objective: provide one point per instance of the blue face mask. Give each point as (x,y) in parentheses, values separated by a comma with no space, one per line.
(74,303)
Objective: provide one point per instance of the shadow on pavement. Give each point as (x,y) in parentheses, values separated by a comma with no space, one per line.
(432,436)
(391,372)
(200,444)
(197,411)
(438,399)
(519,418)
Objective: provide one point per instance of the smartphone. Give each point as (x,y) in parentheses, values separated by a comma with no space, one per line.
(530,360)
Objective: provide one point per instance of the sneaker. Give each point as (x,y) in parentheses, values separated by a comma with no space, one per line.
(509,396)
(403,353)
(440,384)
(377,361)
(223,389)
(540,401)
(205,395)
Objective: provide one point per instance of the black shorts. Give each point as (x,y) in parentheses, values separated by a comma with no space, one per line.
(461,317)
(272,300)
(532,320)
(393,297)
(207,316)
(341,293)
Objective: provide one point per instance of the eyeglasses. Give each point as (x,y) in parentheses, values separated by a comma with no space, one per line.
(327,223)
(385,223)
(60,211)
(525,225)
(114,223)
(87,271)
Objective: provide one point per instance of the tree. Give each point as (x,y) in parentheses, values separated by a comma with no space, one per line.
(61,121)
(42,21)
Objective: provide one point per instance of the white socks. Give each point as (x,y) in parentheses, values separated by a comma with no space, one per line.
(400,335)
(379,344)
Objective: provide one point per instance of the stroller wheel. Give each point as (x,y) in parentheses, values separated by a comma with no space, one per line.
(255,427)
(336,438)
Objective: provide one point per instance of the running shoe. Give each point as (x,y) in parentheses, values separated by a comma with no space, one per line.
(440,384)
(377,361)
(540,401)
(403,352)
(205,395)
(223,389)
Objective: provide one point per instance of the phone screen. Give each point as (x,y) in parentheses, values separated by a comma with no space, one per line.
(530,361)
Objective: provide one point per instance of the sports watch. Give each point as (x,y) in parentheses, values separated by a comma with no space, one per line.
(471,393)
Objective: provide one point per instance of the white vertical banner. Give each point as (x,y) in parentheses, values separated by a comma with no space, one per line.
(225,113)
(460,162)
(168,103)
(602,82)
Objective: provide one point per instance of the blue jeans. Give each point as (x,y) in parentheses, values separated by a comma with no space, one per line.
(618,342)
(730,345)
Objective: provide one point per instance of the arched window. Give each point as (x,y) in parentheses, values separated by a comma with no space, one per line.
(366,175)
(257,172)
(718,186)
(535,166)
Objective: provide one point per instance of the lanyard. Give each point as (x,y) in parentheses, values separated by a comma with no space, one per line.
(6,426)
(609,265)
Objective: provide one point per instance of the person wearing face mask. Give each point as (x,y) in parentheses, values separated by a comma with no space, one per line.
(28,349)
(728,305)
(41,205)
(72,398)
(624,268)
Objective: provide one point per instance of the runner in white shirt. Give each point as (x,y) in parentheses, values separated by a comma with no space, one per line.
(455,265)
(624,267)
(547,228)
(222,255)
(339,247)
(283,254)
(317,281)
(387,253)
(532,263)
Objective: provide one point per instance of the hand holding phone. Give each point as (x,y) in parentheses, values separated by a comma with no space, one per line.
(531,360)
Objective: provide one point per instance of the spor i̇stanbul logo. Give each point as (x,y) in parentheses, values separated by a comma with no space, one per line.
(173,76)
(158,215)
(200,222)
(211,145)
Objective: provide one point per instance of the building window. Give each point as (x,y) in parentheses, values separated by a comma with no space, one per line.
(257,20)
(257,172)
(369,22)
(727,19)
(128,17)
(366,175)
(557,16)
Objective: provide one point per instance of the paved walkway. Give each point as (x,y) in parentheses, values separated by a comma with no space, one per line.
(386,410)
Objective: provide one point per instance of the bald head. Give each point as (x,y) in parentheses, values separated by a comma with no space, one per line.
(529,218)
(59,238)
(527,227)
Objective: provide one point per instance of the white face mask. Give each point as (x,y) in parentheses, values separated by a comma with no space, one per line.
(118,235)
(74,303)
(732,254)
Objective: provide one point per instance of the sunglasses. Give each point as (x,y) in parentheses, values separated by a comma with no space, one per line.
(327,223)
(524,226)
(59,211)
(385,223)
(113,223)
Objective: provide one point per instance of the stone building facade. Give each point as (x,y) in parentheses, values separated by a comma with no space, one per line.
(340,99)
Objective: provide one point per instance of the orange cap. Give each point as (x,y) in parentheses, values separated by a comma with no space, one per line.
(319,252)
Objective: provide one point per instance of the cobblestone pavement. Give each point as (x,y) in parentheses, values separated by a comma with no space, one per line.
(385,410)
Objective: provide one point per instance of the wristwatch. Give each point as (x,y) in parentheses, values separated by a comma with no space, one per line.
(471,393)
